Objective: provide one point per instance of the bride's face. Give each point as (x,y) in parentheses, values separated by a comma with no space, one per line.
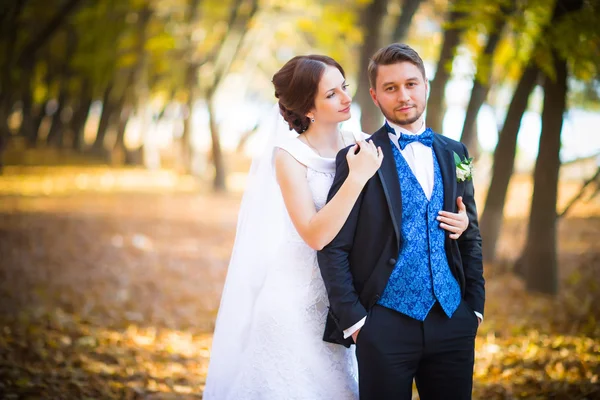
(332,102)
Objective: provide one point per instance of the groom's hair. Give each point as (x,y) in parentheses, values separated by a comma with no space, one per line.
(392,54)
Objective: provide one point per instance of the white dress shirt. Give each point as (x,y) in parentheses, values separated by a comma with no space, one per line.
(420,160)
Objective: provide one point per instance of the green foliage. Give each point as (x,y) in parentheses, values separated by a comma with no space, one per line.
(108,34)
(577,39)
(525,20)
(342,26)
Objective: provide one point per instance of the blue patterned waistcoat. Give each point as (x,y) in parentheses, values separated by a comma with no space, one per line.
(421,275)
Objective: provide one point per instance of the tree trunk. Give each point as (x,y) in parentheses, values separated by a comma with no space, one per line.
(481,85)
(4,129)
(185,142)
(539,260)
(27,124)
(219,183)
(46,33)
(469,136)
(538,263)
(79,119)
(231,44)
(123,117)
(107,110)
(436,102)
(56,134)
(40,109)
(230,47)
(137,91)
(10,29)
(187,152)
(504,159)
(409,9)
(372,18)
(57,129)
(38,117)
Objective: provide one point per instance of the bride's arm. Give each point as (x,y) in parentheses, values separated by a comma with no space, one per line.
(319,228)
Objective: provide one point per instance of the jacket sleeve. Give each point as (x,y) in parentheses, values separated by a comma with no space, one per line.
(345,307)
(469,244)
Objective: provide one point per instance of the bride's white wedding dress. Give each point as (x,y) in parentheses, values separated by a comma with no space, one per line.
(283,356)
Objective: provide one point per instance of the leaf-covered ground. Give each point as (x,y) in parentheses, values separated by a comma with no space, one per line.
(110,283)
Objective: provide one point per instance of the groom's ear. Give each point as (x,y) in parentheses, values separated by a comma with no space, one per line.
(373,96)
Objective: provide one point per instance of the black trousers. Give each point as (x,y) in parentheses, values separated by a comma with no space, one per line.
(438,353)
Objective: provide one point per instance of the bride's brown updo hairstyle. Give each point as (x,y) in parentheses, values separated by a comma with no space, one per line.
(296,86)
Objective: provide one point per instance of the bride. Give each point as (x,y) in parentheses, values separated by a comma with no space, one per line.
(267,342)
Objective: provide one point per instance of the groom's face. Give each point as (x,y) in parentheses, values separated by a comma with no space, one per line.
(401,94)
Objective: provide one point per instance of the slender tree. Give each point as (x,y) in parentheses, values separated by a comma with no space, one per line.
(409,9)
(240,17)
(371,22)
(443,71)
(191,84)
(504,159)
(483,76)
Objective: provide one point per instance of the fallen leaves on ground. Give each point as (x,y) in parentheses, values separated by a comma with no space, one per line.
(110,291)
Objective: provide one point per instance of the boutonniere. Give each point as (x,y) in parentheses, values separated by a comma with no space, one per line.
(464,168)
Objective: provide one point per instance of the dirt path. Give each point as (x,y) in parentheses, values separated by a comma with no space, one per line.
(112,293)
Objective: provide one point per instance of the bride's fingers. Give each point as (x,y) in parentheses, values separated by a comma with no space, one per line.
(351,152)
(449,221)
(459,224)
(364,147)
(454,216)
(369,146)
(450,228)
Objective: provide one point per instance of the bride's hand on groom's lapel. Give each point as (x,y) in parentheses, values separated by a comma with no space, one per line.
(364,159)
(455,223)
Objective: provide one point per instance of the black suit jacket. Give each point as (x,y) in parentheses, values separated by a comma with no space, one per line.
(357,264)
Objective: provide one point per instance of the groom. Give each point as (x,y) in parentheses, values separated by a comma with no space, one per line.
(410,297)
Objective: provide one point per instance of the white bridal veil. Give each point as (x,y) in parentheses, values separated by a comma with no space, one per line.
(259,230)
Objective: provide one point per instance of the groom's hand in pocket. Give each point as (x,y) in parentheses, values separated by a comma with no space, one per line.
(355,336)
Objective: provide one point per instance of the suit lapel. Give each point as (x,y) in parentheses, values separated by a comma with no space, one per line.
(445,159)
(388,174)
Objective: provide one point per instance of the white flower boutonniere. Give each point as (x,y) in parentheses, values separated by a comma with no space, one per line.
(464,168)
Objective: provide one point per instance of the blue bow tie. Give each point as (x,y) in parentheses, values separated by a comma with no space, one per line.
(425,138)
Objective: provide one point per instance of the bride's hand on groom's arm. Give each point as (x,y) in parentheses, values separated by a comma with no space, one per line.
(455,223)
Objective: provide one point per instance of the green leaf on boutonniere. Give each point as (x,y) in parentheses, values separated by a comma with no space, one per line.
(457,160)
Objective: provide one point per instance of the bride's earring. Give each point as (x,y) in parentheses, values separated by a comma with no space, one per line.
(312,120)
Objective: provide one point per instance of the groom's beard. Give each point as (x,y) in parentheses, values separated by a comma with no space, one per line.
(402,122)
